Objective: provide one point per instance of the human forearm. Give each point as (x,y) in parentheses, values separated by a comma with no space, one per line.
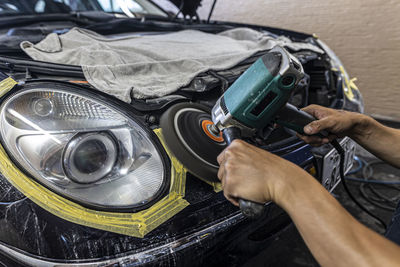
(334,237)
(382,141)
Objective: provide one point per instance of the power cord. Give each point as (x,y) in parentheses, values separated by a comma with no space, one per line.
(341,153)
(367,189)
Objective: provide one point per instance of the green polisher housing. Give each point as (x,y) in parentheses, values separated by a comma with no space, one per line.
(256,96)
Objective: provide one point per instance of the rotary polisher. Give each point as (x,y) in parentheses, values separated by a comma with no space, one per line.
(258,97)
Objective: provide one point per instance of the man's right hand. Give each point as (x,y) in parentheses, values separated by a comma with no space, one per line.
(338,123)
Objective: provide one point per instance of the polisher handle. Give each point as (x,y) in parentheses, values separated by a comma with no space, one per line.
(230,134)
(294,118)
(250,209)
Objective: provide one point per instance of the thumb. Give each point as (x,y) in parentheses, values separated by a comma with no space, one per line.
(317,126)
(315,110)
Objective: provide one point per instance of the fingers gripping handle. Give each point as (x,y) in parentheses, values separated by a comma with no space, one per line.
(249,208)
(294,118)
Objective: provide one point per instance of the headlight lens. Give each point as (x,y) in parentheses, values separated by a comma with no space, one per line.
(82,148)
(89,157)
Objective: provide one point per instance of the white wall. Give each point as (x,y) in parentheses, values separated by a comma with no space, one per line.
(364,33)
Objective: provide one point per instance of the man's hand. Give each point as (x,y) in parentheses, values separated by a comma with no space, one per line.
(382,141)
(338,123)
(254,174)
(334,237)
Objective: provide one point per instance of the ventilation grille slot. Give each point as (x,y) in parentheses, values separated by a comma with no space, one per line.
(223,106)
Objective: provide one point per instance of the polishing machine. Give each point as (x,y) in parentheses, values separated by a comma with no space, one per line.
(258,97)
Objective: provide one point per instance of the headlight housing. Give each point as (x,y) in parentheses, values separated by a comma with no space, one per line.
(352,99)
(82,147)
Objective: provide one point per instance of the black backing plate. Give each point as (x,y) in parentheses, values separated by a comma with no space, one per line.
(184,136)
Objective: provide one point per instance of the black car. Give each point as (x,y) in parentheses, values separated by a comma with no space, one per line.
(87,177)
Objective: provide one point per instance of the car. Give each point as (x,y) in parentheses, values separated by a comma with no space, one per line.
(86,175)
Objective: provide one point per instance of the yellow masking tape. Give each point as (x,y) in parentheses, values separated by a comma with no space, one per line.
(352,84)
(133,224)
(348,86)
(217,186)
(6,85)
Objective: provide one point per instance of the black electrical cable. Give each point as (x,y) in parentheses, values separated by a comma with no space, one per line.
(366,166)
(223,80)
(375,201)
(211,11)
(341,152)
(367,185)
(363,180)
(382,196)
(180,10)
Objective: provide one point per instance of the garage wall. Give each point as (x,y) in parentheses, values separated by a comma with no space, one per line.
(365,34)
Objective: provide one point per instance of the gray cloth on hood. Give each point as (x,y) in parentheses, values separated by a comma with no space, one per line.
(151,66)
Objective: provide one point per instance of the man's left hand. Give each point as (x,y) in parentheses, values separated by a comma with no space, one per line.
(255,174)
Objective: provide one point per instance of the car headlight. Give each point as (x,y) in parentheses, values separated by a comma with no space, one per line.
(82,147)
(353,100)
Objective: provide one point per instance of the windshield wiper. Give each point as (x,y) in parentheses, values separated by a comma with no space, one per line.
(10,64)
(21,20)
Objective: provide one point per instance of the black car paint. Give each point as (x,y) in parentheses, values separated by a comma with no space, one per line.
(40,233)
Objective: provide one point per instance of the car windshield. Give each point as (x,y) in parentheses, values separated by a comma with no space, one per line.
(127,7)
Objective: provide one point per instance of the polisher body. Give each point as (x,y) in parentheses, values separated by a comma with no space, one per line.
(255,98)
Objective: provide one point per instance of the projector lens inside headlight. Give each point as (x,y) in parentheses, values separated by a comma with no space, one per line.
(89,157)
(82,147)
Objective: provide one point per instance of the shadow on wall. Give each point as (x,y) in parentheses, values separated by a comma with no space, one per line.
(365,34)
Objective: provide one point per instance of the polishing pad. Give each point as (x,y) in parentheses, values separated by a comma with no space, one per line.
(186,130)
